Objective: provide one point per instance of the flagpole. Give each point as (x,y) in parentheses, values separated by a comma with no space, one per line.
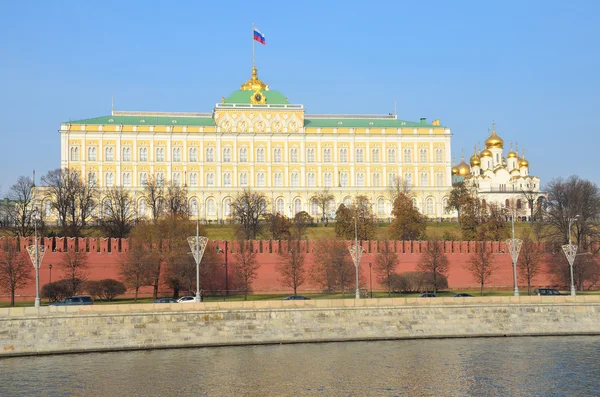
(253,64)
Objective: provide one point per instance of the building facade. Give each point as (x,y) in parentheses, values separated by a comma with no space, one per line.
(256,139)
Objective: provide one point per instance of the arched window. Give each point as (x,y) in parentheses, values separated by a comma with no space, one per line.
(310,155)
(160,179)
(375,181)
(143,178)
(507,203)
(331,208)
(278,179)
(391,155)
(312,180)
(347,201)
(381,206)
(106,208)
(429,206)
(260,179)
(375,155)
(74,153)
(424,179)
(297,206)
(328,181)
(360,179)
(109,154)
(260,155)
(109,179)
(227,155)
(127,179)
(143,154)
(439,179)
(142,208)
(314,208)
(243,179)
(92,154)
(176,178)
(391,178)
(194,206)
(327,155)
(445,206)
(423,155)
(407,155)
(415,203)
(343,155)
(295,179)
(210,179)
(408,179)
(343,179)
(92,179)
(160,154)
(210,154)
(227,207)
(294,155)
(193,179)
(126,154)
(483,204)
(211,208)
(518,204)
(359,155)
(243,155)
(439,155)
(280,206)
(47,208)
(227,179)
(193,154)
(277,155)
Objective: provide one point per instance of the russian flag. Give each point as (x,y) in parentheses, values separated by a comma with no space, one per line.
(258,36)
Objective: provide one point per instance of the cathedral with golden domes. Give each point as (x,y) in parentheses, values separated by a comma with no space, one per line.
(495,178)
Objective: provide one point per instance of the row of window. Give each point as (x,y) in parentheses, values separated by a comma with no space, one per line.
(359,155)
(294,179)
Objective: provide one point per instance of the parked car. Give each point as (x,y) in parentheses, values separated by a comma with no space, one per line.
(462,295)
(74,301)
(166,300)
(296,298)
(186,299)
(546,291)
(427,295)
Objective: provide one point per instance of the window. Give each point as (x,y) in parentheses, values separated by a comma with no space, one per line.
(439,155)
(47,208)
(244,154)
(160,154)
(227,179)
(193,154)
(497,158)
(407,155)
(210,179)
(176,154)
(310,155)
(210,154)
(160,179)
(328,180)
(359,155)
(92,179)
(277,155)
(360,179)
(347,201)
(227,155)
(295,179)
(445,206)
(142,208)
(109,154)
(143,178)
(423,155)
(227,207)
(375,182)
(297,206)
(127,179)
(507,203)
(176,178)
(314,208)
(126,154)
(143,154)
(343,155)
(74,153)
(327,155)
(194,206)
(243,179)
(391,178)
(280,206)
(408,179)
(415,203)
(91,154)
(375,155)
(391,155)
(260,179)
(260,155)
(211,208)
(109,179)
(343,179)
(439,179)
(312,180)
(294,155)
(381,206)
(193,179)
(278,179)
(519,204)
(429,206)
(424,179)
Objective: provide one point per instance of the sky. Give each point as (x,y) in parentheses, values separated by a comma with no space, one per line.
(532,66)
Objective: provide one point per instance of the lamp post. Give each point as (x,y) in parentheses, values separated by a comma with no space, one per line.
(36,254)
(514,247)
(226,273)
(370,281)
(50,267)
(356,252)
(198,245)
(570,251)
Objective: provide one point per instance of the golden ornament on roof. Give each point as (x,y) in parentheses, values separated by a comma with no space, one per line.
(474,160)
(522,161)
(494,141)
(485,153)
(463,168)
(254,84)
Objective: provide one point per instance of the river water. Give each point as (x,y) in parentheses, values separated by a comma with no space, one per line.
(540,366)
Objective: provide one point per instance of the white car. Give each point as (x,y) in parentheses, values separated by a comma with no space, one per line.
(186,299)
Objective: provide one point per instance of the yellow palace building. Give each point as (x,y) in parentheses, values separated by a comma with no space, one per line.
(256,139)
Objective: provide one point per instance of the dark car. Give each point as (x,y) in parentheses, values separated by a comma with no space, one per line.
(74,301)
(296,298)
(463,295)
(165,300)
(546,291)
(427,295)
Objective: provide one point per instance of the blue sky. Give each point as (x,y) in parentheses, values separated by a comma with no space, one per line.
(532,66)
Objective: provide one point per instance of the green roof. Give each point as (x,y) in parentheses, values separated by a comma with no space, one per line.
(147,120)
(243,97)
(365,123)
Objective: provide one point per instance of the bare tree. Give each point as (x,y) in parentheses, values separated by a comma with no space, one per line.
(434,262)
(75,265)
(21,210)
(136,269)
(460,196)
(332,267)
(397,187)
(176,201)
(279,226)
(531,198)
(386,262)
(493,225)
(154,192)
(118,214)
(481,265)
(322,200)
(291,265)
(357,218)
(15,270)
(247,209)
(408,222)
(246,265)
(529,259)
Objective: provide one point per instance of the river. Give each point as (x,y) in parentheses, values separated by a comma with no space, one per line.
(520,366)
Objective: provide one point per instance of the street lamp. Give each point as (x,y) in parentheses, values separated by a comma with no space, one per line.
(198,245)
(36,254)
(356,252)
(50,267)
(226,273)
(570,251)
(514,247)
(370,281)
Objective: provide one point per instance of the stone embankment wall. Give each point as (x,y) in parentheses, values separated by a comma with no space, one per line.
(49,330)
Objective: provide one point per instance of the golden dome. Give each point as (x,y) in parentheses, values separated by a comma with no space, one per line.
(254,84)
(494,141)
(522,161)
(454,171)
(512,154)
(463,168)
(474,160)
(485,153)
